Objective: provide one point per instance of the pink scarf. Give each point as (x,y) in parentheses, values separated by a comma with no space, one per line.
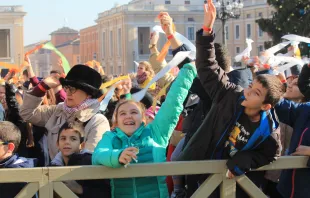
(84,105)
(141,78)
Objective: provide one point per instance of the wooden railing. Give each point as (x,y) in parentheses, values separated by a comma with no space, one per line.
(45,181)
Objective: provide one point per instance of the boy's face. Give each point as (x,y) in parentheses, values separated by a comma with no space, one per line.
(69,142)
(255,95)
(6,150)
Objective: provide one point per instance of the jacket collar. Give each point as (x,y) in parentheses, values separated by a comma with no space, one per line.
(135,135)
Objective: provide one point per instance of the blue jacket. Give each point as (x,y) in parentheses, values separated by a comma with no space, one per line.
(152,141)
(296,116)
(9,190)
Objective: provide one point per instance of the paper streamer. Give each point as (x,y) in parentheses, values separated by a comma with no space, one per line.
(177,59)
(104,103)
(246,52)
(293,37)
(9,66)
(108,84)
(285,67)
(34,50)
(65,62)
(179,36)
(136,64)
(277,48)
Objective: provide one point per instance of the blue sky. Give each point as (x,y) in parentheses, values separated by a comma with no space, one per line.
(46,16)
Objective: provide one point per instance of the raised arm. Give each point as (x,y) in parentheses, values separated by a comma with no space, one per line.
(213,78)
(168,115)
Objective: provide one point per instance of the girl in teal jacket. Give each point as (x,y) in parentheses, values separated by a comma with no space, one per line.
(119,147)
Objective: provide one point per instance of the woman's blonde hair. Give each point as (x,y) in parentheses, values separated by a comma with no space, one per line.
(148,68)
(115,114)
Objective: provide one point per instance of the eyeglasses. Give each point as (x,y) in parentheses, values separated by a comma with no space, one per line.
(72,90)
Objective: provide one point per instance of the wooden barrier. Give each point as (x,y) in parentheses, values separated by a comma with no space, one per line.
(45,181)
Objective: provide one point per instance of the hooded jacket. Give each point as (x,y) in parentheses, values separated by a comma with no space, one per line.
(152,141)
(209,141)
(9,190)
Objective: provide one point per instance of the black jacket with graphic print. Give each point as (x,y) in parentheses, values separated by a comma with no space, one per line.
(216,127)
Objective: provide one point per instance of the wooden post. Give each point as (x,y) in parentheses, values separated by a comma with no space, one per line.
(46,188)
(208,186)
(228,187)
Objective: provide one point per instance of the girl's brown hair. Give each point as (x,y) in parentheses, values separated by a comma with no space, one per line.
(148,68)
(115,114)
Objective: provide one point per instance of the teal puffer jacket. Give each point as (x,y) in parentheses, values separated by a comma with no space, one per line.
(151,140)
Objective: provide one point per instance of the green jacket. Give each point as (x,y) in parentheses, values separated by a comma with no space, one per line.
(152,141)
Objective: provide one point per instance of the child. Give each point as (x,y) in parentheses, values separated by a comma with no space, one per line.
(295,183)
(10,137)
(239,124)
(70,143)
(119,147)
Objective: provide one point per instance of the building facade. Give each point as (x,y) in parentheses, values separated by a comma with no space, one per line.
(12,34)
(124,31)
(67,41)
(89,46)
(237,30)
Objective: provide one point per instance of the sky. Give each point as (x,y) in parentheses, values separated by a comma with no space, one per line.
(46,16)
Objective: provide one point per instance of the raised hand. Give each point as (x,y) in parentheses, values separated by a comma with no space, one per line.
(166,23)
(209,14)
(154,38)
(52,82)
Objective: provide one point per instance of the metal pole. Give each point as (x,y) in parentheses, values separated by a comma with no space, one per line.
(224,31)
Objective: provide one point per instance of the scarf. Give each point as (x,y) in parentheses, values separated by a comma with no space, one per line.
(141,78)
(84,105)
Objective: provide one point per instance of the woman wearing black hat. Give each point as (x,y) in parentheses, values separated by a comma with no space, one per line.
(80,107)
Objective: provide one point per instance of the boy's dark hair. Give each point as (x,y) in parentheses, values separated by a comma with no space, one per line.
(55,72)
(10,133)
(275,88)
(222,56)
(25,72)
(67,126)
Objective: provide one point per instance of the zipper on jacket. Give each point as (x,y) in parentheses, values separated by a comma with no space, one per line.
(235,120)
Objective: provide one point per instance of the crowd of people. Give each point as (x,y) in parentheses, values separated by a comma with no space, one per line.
(201,111)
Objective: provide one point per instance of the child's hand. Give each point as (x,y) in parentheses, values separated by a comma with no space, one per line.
(166,23)
(302,151)
(229,175)
(127,155)
(210,14)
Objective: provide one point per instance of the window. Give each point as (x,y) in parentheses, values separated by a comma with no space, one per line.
(78,59)
(260,14)
(248,16)
(94,56)
(187,2)
(191,33)
(119,42)
(119,69)
(272,13)
(111,43)
(226,34)
(143,40)
(260,48)
(238,50)
(167,2)
(111,70)
(191,19)
(5,49)
(103,44)
(237,32)
(248,30)
(260,32)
